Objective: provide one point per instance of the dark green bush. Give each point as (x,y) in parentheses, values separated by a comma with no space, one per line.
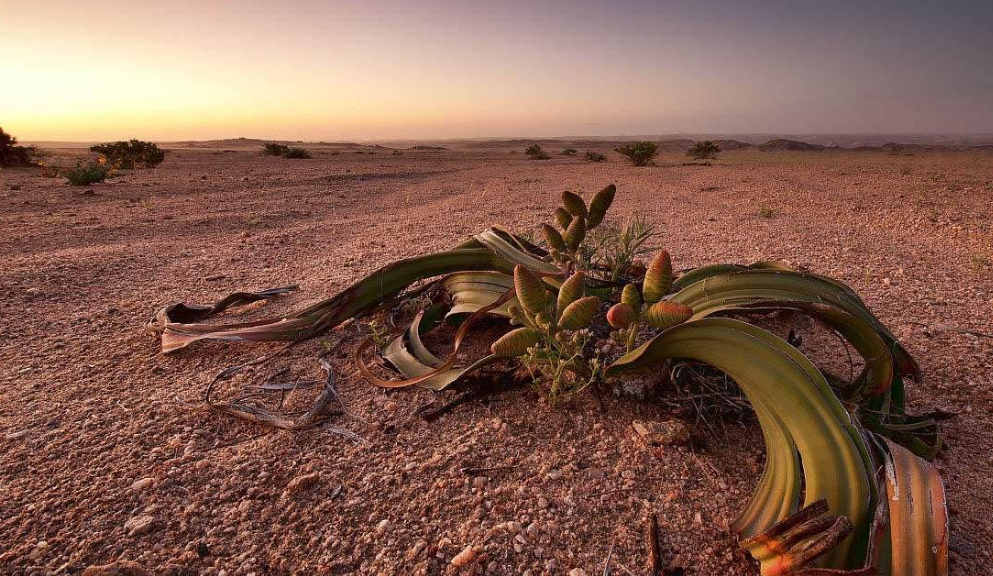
(639,153)
(535,152)
(592,156)
(703,150)
(131,154)
(275,149)
(89,173)
(13,155)
(296,153)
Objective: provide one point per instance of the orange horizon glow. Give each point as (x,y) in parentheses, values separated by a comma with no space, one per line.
(345,69)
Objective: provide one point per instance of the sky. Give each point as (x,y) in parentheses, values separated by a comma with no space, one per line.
(387,69)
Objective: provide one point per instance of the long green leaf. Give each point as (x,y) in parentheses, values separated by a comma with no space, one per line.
(782,382)
(364,295)
(754,286)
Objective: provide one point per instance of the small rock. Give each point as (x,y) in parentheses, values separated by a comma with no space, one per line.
(139,485)
(303,482)
(88,192)
(391,406)
(382,527)
(542,503)
(668,433)
(17,435)
(39,550)
(15,187)
(698,519)
(464,557)
(244,178)
(577,572)
(33,291)
(139,525)
(416,550)
(116,569)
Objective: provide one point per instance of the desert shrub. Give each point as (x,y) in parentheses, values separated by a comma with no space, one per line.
(297,153)
(569,152)
(132,154)
(275,149)
(592,156)
(13,155)
(639,153)
(767,211)
(535,152)
(89,173)
(703,150)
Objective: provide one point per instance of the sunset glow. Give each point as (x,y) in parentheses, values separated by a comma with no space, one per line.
(348,69)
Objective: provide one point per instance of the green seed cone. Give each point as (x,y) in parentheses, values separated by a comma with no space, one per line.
(579,314)
(572,289)
(658,277)
(530,290)
(667,314)
(599,205)
(631,297)
(563,217)
(574,203)
(621,315)
(553,238)
(576,233)
(515,343)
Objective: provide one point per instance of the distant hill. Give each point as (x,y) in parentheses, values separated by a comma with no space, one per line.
(792,145)
(727,144)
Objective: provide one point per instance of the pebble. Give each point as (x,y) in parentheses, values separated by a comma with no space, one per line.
(39,549)
(382,527)
(667,433)
(139,485)
(542,503)
(577,572)
(302,482)
(139,525)
(464,557)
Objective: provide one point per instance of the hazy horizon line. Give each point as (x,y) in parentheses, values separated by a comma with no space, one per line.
(648,136)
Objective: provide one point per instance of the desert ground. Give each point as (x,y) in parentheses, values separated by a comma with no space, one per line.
(106,455)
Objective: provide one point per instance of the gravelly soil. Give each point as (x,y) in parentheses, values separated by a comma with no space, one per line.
(94,444)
